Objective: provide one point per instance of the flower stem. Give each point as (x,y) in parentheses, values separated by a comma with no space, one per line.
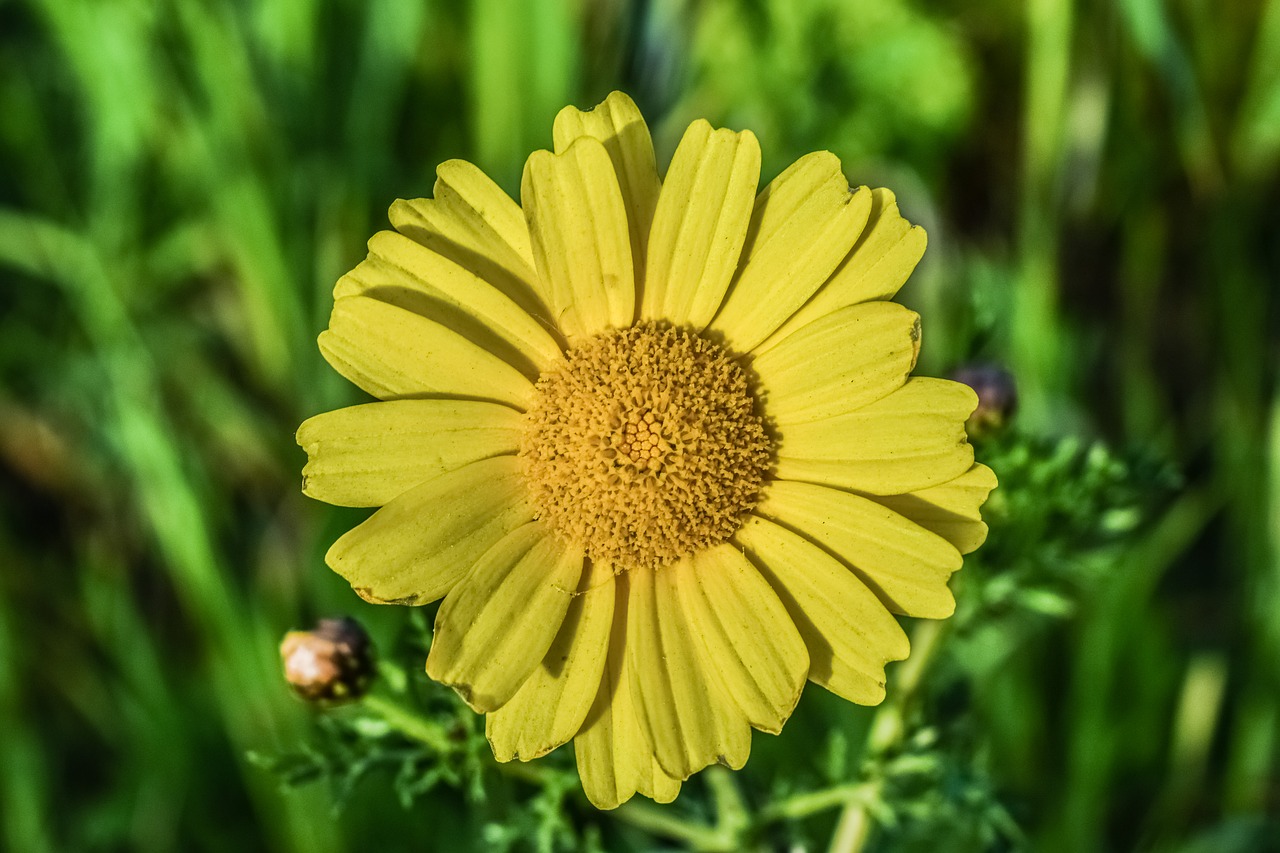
(656,821)
(732,818)
(853,830)
(408,722)
(415,726)
(810,803)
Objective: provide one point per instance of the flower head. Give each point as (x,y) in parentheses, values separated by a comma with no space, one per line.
(655,443)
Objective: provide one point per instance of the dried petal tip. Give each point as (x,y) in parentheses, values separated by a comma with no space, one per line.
(332,663)
(997,397)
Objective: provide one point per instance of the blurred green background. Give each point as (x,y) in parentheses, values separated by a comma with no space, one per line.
(182,182)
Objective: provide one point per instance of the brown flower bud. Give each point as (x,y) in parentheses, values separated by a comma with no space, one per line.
(332,663)
(997,397)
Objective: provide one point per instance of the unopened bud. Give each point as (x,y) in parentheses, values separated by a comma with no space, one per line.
(332,663)
(997,397)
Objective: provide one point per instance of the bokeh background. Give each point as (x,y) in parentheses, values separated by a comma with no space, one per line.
(182,182)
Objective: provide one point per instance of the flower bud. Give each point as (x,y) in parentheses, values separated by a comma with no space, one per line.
(332,663)
(997,397)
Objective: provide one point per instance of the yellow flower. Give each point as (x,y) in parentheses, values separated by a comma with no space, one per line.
(654,442)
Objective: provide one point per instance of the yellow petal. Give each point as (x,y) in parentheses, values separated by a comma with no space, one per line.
(850,634)
(905,565)
(368,455)
(581,241)
(839,363)
(689,720)
(884,256)
(912,439)
(549,708)
(950,510)
(748,640)
(614,758)
(804,223)
(700,225)
(496,626)
(617,123)
(472,222)
(393,353)
(417,547)
(418,279)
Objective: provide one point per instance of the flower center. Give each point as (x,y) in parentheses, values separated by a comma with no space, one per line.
(643,446)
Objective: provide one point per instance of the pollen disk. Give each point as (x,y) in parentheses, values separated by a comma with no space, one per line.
(643,446)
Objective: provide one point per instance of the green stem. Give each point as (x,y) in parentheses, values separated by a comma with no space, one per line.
(804,805)
(732,816)
(413,725)
(887,730)
(427,732)
(656,821)
(408,722)
(852,830)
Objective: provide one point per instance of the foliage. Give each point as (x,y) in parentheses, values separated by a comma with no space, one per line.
(1063,522)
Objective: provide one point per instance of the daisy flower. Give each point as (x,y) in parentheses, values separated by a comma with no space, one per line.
(655,443)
